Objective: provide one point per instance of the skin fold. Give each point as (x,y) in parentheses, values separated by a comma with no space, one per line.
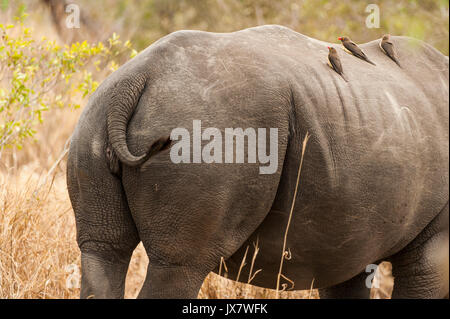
(374,182)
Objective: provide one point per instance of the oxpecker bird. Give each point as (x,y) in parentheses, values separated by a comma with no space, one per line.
(335,62)
(352,48)
(388,48)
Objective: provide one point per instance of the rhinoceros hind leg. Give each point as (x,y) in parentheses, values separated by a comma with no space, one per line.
(420,270)
(354,288)
(172,282)
(102,278)
(106,233)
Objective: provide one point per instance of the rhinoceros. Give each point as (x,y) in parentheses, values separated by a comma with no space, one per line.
(373,187)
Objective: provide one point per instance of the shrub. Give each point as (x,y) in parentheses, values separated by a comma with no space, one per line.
(37,76)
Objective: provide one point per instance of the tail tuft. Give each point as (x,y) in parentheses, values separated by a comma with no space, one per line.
(162,144)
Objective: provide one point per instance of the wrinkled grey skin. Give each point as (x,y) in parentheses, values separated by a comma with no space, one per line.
(374,184)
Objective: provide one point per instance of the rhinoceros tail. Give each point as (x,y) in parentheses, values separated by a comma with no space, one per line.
(123,100)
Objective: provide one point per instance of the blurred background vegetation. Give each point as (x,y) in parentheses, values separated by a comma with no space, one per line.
(144,21)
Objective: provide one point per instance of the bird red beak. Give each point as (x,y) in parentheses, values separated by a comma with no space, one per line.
(340,38)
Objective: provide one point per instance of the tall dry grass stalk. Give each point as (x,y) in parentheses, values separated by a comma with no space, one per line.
(285,254)
(251,274)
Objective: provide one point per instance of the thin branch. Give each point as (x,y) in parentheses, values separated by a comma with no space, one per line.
(255,253)
(242,264)
(311,289)
(222,261)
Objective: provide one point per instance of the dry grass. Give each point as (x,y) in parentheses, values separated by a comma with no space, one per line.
(37,238)
(214,286)
(39,257)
